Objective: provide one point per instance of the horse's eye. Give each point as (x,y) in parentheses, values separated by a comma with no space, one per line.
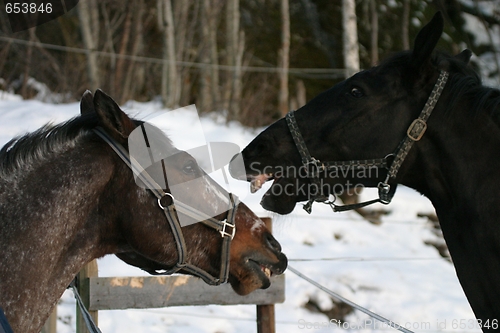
(189,168)
(356,92)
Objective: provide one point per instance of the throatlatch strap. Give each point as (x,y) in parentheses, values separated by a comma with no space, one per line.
(418,127)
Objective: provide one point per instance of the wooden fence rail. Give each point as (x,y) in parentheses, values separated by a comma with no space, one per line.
(117,293)
(112,293)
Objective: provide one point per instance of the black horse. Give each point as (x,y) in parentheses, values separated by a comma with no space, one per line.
(384,124)
(66,198)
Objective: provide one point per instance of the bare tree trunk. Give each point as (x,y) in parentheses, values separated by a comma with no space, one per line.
(232,24)
(284,61)
(235,105)
(109,47)
(351,52)
(4,53)
(350,37)
(90,44)
(127,91)
(205,100)
(301,93)
(214,61)
(299,100)
(169,90)
(405,23)
(172,71)
(122,50)
(190,42)
(93,8)
(210,74)
(374,32)
(27,65)
(181,10)
(232,45)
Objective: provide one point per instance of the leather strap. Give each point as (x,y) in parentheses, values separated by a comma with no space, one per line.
(414,133)
(171,216)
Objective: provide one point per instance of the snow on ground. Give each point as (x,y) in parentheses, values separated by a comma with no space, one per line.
(386,268)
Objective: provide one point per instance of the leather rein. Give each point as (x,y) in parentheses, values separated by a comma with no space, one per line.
(391,162)
(226,227)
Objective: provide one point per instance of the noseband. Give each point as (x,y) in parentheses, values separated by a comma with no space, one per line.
(226,228)
(391,162)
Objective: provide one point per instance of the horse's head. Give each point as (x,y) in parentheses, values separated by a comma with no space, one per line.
(147,239)
(364,117)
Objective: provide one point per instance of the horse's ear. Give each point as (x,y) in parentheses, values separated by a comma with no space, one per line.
(87,103)
(111,117)
(426,41)
(464,56)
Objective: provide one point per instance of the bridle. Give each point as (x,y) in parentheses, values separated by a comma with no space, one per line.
(392,162)
(226,227)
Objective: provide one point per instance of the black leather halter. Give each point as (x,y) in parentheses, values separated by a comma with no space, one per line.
(392,162)
(226,227)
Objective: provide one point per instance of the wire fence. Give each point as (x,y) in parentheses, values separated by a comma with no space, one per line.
(340,72)
(368,259)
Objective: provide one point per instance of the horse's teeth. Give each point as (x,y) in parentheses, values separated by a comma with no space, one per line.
(257,182)
(255,185)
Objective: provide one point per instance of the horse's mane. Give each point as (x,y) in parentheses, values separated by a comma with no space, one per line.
(465,83)
(31,149)
(22,153)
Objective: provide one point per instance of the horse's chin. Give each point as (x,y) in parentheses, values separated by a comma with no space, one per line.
(278,204)
(282,196)
(255,275)
(247,285)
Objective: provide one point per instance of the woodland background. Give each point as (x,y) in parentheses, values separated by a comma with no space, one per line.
(252,59)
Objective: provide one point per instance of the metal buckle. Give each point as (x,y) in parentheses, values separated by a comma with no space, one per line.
(384,187)
(164,195)
(315,163)
(383,194)
(389,158)
(224,233)
(420,126)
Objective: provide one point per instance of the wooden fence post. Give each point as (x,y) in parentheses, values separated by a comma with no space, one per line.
(265,313)
(83,280)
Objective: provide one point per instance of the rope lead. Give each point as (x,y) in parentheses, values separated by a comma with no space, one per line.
(345,300)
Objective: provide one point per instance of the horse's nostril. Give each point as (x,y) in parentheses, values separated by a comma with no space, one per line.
(273,243)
